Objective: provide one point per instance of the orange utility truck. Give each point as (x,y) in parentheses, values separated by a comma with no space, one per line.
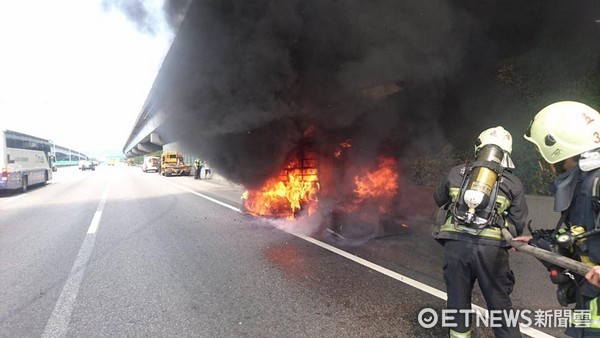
(171,163)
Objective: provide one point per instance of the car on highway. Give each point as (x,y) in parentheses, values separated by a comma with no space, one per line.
(86,165)
(151,163)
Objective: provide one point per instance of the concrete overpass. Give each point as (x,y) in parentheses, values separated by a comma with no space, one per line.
(169,93)
(147,135)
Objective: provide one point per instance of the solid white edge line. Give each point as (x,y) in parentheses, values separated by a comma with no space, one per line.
(58,323)
(399,277)
(407,280)
(204,196)
(103,199)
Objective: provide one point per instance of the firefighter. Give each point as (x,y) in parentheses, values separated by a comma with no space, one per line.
(207,170)
(197,169)
(567,135)
(474,248)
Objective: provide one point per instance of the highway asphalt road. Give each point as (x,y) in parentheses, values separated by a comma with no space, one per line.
(119,252)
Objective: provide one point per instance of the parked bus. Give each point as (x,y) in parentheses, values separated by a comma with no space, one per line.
(24,160)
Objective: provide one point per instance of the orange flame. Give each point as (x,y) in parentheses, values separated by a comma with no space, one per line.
(381,183)
(295,190)
(345,144)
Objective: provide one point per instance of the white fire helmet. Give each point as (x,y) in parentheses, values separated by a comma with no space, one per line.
(500,137)
(564,129)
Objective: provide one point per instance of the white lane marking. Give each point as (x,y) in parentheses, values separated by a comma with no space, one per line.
(98,214)
(95,221)
(406,280)
(204,196)
(393,274)
(58,323)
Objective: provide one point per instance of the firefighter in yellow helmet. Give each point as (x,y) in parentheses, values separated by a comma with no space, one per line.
(567,135)
(197,169)
(477,199)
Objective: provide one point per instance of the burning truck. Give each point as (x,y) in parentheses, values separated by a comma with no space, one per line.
(319,183)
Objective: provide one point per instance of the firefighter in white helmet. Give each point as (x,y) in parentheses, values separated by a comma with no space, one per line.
(567,135)
(477,199)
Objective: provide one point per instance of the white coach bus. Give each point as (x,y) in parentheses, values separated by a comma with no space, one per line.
(24,160)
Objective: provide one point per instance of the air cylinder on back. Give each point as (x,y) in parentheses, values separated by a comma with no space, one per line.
(482,180)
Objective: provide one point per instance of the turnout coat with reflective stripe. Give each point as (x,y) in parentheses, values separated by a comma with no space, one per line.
(511,199)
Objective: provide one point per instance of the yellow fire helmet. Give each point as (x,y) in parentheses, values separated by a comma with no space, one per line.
(500,137)
(564,129)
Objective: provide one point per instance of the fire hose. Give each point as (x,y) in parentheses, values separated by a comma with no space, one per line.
(548,256)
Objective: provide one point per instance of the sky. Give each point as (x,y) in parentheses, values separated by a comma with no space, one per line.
(75,73)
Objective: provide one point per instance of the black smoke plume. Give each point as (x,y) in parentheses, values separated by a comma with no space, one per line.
(244,80)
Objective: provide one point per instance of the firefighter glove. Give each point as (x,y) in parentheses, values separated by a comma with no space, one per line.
(512,229)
